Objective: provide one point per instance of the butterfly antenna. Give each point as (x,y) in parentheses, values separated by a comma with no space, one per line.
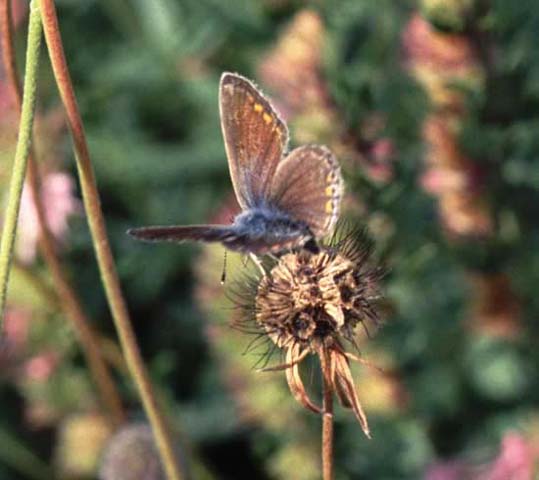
(223,275)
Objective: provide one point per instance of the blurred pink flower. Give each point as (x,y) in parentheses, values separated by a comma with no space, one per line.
(438,180)
(383,149)
(57,192)
(14,338)
(425,45)
(381,156)
(448,470)
(293,69)
(40,367)
(16,326)
(517,460)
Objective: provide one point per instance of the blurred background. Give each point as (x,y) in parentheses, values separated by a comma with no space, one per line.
(433,110)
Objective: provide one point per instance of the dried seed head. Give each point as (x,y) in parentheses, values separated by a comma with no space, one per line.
(308,302)
(131,454)
(311,299)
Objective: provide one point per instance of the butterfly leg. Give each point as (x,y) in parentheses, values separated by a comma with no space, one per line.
(258,263)
(223,275)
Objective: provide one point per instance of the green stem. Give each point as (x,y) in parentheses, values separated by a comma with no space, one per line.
(105,260)
(21,459)
(68,298)
(21,153)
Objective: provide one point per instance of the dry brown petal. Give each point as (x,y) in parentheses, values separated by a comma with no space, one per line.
(336,313)
(294,380)
(346,390)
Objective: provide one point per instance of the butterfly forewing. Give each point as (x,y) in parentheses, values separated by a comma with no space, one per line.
(180,233)
(308,186)
(226,234)
(255,138)
(286,200)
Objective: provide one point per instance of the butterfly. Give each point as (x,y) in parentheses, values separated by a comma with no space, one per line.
(288,199)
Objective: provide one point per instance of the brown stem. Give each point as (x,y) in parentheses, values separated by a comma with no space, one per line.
(68,298)
(327,415)
(103,252)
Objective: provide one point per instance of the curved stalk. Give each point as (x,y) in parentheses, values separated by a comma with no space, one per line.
(103,252)
(19,457)
(21,153)
(69,300)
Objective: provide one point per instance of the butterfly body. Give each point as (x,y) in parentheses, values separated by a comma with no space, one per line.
(258,230)
(268,230)
(269,222)
(288,199)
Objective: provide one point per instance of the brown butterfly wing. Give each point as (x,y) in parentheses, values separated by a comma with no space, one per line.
(255,138)
(230,237)
(308,186)
(181,233)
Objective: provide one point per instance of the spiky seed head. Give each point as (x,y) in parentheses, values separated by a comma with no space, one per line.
(311,298)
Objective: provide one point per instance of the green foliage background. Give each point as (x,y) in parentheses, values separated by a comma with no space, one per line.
(146,76)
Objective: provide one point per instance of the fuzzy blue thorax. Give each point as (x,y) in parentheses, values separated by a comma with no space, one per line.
(267,222)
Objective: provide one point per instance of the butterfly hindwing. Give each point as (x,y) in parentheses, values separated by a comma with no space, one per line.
(287,201)
(255,138)
(308,186)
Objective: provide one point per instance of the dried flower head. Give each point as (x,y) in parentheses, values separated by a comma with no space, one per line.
(311,303)
(131,454)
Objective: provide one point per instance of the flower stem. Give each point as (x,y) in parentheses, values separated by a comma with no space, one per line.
(21,153)
(69,300)
(103,252)
(19,457)
(327,416)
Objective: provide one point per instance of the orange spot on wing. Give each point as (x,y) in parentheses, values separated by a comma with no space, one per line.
(258,107)
(267,118)
(329,206)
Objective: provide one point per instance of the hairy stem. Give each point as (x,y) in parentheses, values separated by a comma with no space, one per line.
(69,300)
(327,416)
(21,154)
(103,252)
